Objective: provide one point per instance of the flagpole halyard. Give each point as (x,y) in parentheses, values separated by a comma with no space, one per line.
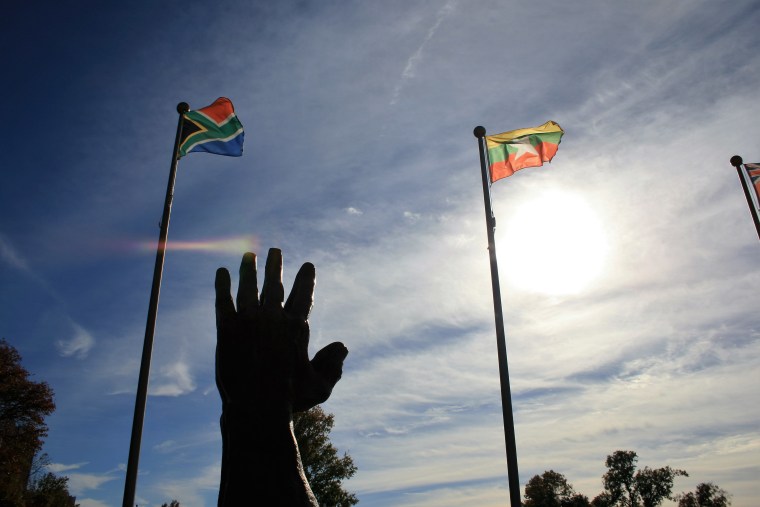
(501,345)
(737,162)
(142,384)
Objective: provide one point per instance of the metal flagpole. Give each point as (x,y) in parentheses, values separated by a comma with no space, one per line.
(737,162)
(501,344)
(150,326)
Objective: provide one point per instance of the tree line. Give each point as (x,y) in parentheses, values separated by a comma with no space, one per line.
(625,485)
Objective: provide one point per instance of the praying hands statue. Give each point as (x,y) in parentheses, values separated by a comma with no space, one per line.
(264,375)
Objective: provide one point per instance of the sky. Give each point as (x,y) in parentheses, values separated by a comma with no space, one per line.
(629,266)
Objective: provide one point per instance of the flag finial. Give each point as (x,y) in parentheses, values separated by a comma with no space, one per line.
(183,107)
(479,132)
(736,161)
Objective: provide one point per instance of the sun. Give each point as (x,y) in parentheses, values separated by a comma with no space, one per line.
(554,244)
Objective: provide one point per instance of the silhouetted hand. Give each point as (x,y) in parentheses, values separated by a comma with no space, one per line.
(264,374)
(262,348)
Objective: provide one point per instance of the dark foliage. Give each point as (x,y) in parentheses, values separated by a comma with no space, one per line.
(24,404)
(324,469)
(625,486)
(551,489)
(49,490)
(706,495)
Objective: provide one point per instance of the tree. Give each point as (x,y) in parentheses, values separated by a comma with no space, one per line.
(626,487)
(577,500)
(546,490)
(23,407)
(706,495)
(619,478)
(655,485)
(324,469)
(602,500)
(551,489)
(49,490)
(173,503)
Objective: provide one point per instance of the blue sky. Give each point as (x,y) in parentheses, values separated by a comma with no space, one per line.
(629,266)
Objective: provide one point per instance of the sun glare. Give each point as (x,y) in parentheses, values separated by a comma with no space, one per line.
(553,244)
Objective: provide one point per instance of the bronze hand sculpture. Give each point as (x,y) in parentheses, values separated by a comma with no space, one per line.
(264,374)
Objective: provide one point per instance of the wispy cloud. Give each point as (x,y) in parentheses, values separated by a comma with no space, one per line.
(194,489)
(79,345)
(174,380)
(10,256)
(57,468)
(411,64)
(411,216)
(81,482)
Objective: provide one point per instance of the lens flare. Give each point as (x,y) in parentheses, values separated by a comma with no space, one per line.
(237,244)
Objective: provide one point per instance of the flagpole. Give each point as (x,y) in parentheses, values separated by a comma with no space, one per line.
(737,162)
(142,384)
(501,344)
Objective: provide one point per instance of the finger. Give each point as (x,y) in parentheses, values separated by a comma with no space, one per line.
(301,297)
(273,294)
(224,306)
(248,289)
(328,368)
(328,362)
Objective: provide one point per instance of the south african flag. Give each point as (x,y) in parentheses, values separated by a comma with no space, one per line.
(213,129)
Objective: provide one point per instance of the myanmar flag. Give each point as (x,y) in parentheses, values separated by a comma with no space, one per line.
(213,129)
(518,149)
(753,171)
